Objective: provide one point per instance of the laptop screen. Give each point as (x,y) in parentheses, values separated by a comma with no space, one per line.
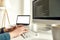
(23,20)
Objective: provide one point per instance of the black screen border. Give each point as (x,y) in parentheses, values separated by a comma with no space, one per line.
(47,18)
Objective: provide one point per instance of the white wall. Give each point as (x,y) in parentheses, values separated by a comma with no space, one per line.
(28,9)
(18,7)
(13,11)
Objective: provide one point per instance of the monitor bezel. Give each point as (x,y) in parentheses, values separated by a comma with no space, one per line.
(47,18)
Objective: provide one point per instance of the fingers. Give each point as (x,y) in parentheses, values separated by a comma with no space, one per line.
(20,29)
(19,25)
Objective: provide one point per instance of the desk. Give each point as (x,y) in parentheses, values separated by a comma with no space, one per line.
(43,35)
(18,38)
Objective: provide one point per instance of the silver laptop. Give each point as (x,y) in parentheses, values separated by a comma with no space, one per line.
(23,20)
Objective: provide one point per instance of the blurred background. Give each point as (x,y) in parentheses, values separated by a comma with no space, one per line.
(44,14)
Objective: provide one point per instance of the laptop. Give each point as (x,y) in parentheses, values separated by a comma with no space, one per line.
(23,20)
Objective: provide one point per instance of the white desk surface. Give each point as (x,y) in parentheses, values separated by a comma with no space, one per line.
(42,36)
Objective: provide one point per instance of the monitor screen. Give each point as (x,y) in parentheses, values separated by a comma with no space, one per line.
(23,20)
(46,9)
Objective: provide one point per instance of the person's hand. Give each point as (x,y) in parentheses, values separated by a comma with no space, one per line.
(9,29)
(18,31)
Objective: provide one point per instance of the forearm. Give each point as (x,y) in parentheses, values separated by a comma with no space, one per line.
(4,30)
(5,36)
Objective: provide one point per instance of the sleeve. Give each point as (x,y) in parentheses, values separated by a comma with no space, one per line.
(5,36)
(1,30)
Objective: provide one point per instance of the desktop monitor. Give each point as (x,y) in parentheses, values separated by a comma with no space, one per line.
(46,11)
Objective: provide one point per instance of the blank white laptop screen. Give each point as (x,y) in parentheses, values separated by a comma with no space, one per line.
(23,19)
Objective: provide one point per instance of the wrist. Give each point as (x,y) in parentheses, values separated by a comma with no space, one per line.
(11,34)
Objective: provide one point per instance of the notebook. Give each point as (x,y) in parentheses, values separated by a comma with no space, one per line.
(23,20)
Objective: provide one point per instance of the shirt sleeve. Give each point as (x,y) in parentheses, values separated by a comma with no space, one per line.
(1,30)
(5,36)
